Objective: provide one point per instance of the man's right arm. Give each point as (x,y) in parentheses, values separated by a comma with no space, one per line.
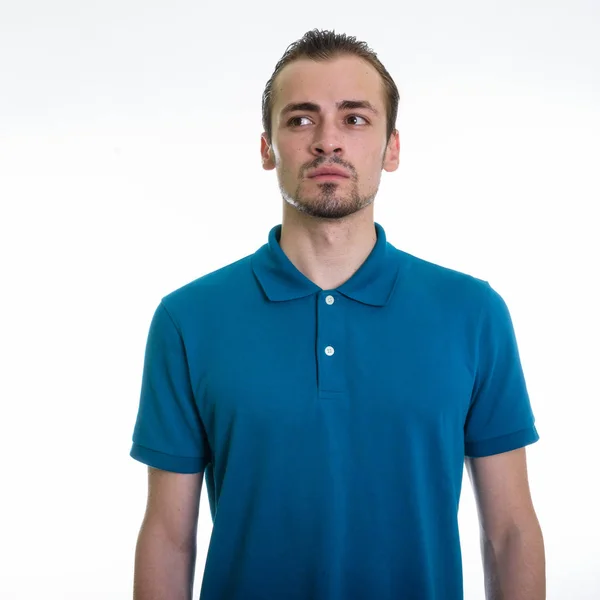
(165,556)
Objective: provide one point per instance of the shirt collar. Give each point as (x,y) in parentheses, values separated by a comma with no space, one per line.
(372,284)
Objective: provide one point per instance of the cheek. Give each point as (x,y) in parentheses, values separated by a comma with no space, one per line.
(374,165)
(371,174)
(289,166)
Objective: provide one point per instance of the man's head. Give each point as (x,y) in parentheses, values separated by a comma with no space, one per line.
(330,102)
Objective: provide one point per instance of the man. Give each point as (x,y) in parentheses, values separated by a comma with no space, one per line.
(332,387)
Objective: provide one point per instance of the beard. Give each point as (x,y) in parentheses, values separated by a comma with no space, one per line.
(330,201)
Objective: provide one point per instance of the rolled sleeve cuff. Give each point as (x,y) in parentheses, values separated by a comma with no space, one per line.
(504,443)
(167,462)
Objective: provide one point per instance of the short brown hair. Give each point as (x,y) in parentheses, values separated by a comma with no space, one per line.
(321,45)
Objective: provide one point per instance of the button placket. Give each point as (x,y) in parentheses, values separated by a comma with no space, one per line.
(330,351)
(331,378)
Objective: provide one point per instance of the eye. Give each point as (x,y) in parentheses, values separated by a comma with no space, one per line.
(294,119)
(358,117)
(291,121)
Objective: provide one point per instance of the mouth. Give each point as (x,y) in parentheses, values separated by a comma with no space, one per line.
(328,176)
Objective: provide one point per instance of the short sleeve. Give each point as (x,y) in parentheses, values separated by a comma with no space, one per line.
(168,432)
(500,417)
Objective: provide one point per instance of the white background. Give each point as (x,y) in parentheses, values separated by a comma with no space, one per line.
(130,165)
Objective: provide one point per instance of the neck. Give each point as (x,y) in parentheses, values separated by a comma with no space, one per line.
(328,253)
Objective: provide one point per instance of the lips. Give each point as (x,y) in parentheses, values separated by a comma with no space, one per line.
(328,171)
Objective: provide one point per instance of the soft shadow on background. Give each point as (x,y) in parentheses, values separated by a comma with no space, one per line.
(120,123)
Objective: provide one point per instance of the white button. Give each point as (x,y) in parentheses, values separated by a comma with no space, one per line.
(329,351)
(330,299)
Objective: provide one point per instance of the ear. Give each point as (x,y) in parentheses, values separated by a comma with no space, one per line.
(266,152)
(392,152)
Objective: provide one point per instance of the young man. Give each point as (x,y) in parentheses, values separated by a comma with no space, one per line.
(332,387)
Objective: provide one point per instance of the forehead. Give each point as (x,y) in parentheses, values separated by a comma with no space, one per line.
(327,82)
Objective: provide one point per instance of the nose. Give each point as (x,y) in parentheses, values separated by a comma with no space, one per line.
(326,148)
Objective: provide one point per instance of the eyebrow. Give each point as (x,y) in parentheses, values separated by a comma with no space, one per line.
(343,105)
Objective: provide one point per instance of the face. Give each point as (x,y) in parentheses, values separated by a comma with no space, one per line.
(329,133)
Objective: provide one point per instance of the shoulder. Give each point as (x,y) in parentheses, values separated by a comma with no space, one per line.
(432,282)
(210,291)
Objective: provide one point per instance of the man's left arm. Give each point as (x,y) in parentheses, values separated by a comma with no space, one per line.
(512,544)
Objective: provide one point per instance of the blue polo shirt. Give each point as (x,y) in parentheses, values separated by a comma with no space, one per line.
(331,425)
